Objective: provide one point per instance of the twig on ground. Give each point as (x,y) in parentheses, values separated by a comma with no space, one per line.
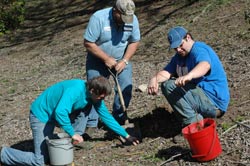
(7,121)
(131,154)
(154,140)
(228,153)
(229,129)
(240,123)
(237,162)
(244,102)
(173,157)
(234,127)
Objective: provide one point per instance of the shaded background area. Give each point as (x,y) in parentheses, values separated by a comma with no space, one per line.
(44,19)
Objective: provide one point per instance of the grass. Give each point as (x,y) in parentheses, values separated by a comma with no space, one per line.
(239,118)
(151,158)
(225,126)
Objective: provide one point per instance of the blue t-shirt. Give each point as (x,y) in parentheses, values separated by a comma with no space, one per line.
(103,31)
(214,83)
(62,98)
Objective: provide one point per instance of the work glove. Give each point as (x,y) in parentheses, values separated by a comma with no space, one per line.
(132,140)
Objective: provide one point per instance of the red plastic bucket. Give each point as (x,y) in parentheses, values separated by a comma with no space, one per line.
(203,139)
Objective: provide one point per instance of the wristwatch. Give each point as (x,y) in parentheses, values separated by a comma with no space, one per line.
(125,61)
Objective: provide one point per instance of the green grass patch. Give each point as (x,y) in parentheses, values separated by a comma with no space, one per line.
(225,126)
(151,157)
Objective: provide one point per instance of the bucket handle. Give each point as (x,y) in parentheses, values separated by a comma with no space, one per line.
(210,150)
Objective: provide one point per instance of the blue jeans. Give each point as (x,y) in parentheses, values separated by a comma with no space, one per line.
(189,103)
(94,68)
(40,131)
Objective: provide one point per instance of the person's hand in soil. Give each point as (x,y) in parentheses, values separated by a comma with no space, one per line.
(132,139)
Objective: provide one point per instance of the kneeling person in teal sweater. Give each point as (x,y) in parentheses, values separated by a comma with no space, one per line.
(53,107)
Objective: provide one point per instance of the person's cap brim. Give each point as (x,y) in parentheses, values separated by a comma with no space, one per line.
(175,44)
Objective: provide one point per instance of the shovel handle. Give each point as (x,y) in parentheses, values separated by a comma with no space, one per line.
(118,89)
(120,95)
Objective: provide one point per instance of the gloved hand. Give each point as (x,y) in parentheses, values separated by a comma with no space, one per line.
(132,139)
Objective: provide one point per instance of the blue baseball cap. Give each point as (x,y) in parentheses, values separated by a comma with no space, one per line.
(175,36)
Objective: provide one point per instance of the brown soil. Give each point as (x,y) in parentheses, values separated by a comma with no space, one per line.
(48,48)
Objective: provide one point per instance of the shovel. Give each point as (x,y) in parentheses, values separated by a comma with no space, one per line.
(131,128)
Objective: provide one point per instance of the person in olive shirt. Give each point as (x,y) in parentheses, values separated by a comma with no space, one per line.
(54,106)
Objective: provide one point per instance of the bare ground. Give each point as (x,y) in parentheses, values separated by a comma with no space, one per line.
(48,48)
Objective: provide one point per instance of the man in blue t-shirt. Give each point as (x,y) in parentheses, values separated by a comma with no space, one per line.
(111,39)
(194,81)
(54,106)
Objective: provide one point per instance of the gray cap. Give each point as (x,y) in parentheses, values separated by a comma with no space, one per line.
(127,9)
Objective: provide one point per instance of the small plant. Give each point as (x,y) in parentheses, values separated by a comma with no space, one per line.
(11,14)
(239,118)
(225,126)
(12,91)
(152,158)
